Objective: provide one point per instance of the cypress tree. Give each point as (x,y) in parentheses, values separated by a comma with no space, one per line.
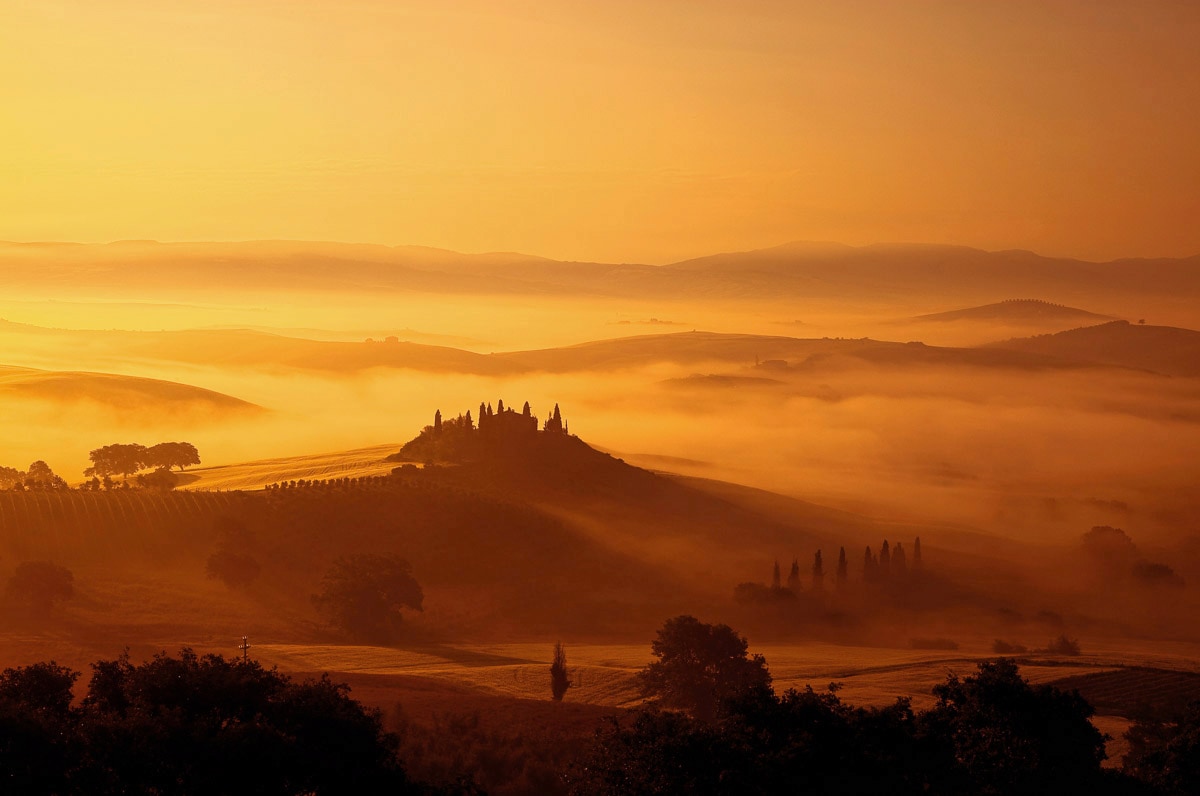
(818,572)
(885,561)
(841,568)
(793,581)
(775,576)
(899,563)
(916,565)
(560,679)
(870,572)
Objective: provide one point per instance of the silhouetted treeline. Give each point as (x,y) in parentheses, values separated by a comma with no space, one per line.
(462,438)
(110,460)
(38,478)
(988,733)
(189,725)
(890,567)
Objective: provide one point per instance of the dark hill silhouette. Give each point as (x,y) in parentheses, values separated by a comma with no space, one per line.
(1016,311)
(1163,349)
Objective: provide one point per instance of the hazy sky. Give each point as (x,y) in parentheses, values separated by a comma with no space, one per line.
(649,130)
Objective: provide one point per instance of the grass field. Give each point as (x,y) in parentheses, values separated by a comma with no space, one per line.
(256,475)
(869,675)
(502,678)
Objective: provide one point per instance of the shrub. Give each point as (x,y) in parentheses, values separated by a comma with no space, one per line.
(1063,646)
(233,569)
(39,585)
(364,595)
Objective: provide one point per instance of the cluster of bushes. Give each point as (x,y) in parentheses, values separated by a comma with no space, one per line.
(1063,645)
(125,459)
(36,587)
(189,725)
(329,483)
(38,478)
(989,733)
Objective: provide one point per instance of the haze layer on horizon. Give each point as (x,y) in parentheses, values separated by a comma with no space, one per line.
(605,131)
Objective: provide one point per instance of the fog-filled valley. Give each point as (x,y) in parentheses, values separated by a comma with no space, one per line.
(976,464)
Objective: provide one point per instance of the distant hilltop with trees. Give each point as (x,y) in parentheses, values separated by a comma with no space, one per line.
(461,439)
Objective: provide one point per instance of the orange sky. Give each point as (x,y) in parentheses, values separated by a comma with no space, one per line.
(612,130)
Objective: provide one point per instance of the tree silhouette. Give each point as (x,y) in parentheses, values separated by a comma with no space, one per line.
(842,568)
(818,572)
(701,668)
(166,455)
(870,567)
(38,740)
(11,478)
(363,594)
(899,562)
(560,678)
(40,476)
(161,726)
(885,561)
(775,578)
(793,580)
(916,562)
(998,734)
(37,586)
(116,459)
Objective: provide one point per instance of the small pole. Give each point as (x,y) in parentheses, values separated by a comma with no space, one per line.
(245,648)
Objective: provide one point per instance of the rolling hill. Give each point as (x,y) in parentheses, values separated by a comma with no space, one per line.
(244,348)
(126,393)
(694,348)
(1167,350)
(1016,312)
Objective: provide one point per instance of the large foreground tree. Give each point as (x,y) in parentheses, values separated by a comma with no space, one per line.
(701,668)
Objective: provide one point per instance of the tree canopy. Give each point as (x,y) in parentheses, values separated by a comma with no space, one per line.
(363,594)
(116,459)
(38,585)
(189,725)
(990,733)
(701,668)
(166,455)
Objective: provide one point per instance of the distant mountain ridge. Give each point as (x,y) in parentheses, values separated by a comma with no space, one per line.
(795,270)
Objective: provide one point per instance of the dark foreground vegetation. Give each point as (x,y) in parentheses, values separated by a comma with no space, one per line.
(188,725)
(713,725)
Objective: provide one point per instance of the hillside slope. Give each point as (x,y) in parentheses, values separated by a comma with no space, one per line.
(1163,349)
(125,393)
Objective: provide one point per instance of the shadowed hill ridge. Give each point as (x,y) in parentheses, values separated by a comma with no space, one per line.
(1163,349)
(1016,311)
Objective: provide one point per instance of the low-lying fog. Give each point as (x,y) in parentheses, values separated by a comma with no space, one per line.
(1020,452)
